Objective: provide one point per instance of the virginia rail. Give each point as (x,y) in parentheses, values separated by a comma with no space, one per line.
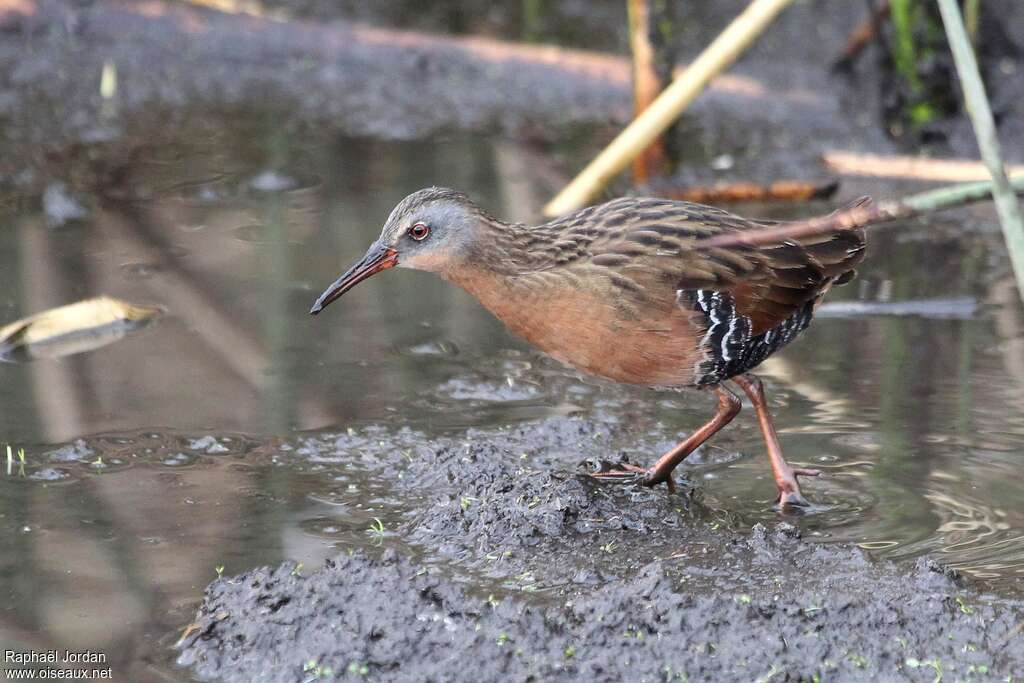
(622,291)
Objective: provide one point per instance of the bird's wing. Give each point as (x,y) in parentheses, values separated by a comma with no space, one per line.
(646,249)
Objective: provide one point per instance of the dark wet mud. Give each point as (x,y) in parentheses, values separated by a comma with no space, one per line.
(512,566)
(387,619)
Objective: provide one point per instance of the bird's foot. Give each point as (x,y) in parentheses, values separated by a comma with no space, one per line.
(604,469)
(627,472)
(790,497)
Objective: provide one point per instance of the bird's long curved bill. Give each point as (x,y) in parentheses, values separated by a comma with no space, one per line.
(377,258)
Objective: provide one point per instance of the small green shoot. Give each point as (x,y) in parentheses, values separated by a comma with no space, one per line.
(526,582)
(494,557)
(358,669)
(10,461)
(377,531)
(858,661)
(770,675)
(963,606)
(570,652)
(670,675)
(220,570)
(935,664)
(633,632)
(315,670)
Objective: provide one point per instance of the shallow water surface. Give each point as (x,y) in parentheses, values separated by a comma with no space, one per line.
(177,453)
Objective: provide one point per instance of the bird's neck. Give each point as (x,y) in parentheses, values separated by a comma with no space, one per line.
(500,248)
(500,253)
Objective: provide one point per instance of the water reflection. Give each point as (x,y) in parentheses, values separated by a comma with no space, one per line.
(110,539)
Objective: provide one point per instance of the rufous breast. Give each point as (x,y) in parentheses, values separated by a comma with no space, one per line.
(588,328)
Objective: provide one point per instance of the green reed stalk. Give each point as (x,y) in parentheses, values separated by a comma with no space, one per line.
(985,131)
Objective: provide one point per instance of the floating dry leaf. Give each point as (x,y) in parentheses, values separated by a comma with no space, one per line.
(75,328)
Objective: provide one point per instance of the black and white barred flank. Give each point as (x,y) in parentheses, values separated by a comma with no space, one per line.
(732,350)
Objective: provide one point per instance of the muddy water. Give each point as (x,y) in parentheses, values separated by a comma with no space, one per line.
(159,461)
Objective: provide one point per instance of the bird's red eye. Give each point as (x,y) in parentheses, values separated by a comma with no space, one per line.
(419,231)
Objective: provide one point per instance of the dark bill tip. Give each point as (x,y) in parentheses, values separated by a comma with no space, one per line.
(377,258)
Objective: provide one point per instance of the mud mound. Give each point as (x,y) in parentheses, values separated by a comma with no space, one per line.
(388,618)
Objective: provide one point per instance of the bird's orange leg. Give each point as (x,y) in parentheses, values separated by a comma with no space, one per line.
(785,476)
(661,471)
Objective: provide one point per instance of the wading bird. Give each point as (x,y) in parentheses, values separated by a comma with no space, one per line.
(624,291)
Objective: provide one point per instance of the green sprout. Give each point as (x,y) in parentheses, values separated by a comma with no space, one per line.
(377,530)
(858,661)
(962,604)
(10,461)
(932,663)
(316,670)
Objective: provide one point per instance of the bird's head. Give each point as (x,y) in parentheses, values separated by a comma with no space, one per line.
(432,229)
